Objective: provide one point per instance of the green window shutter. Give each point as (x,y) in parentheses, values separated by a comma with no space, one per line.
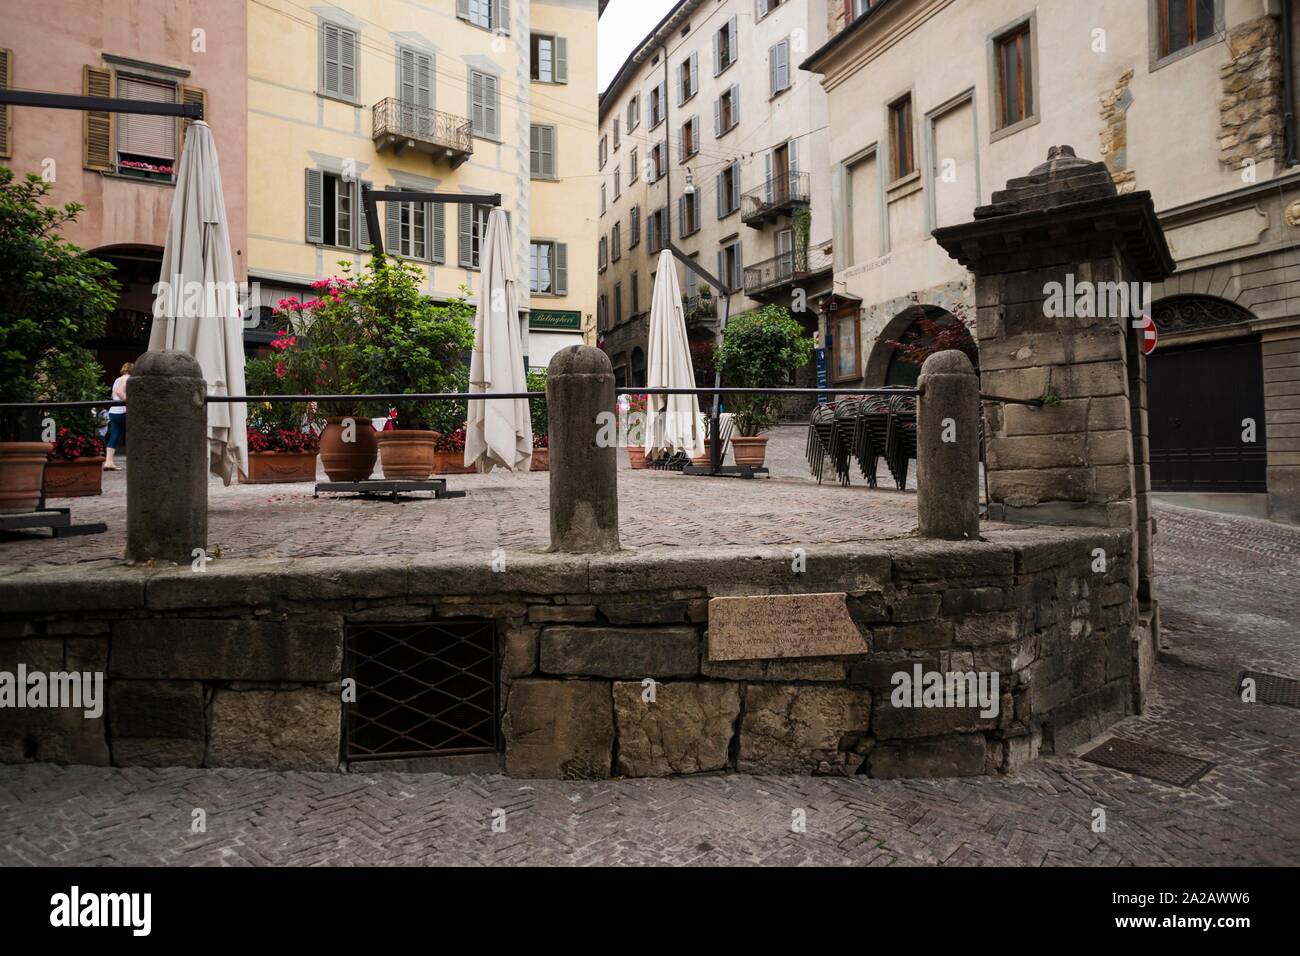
(465,213)
(534,150)
(439,216)
(315,215)
(97,128)
(561,268)
(490,106)
(392,225)
(548,152)
(329,58)
(347,64)
(363,227)
(406,77)
(561,60)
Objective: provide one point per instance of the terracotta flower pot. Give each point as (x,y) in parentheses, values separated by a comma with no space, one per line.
(22,466)
(749,450)
(407,453)
(348,461)
(272,467)
(78,478)
(541,460)
(636,456)
(707,457)
(451,463)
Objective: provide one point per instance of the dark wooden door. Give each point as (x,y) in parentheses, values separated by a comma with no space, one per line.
(1198,397)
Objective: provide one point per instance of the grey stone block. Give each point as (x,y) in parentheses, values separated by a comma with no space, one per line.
(686,729)
(158,752)
(958,755)
(228,649)
(630,653)
(802,728)
(148,708)
(275,729)
(559,729)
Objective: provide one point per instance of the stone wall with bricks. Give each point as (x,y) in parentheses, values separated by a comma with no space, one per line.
(241,665)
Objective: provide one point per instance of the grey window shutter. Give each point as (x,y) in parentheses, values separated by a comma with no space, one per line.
(681,145)
(534,150)
(465,212)
(462,9)
(735,106)
(363,227)
(476,101)
(772,70)
(695,71)
(347,64)
(329,57)
(731,40)
(768,185)
(491,104)
(717,54)
(439,217)
(762,9)
(406,77)
(695,131)
(548,152)
(424,79)
(717,117)
(315,206)
(735,186)
(561,268)
(722,269)
(681,217)
(792,148)
(392,225)
(721,192)
(561,60)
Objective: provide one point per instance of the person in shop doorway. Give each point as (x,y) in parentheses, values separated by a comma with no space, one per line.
(117,418)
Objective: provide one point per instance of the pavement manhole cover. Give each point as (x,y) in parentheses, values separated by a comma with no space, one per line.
(1271,689)
(1147,761)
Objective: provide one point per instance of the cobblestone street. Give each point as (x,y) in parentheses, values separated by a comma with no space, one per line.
(1228,588)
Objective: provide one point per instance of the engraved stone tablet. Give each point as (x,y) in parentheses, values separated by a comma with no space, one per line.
(770,626)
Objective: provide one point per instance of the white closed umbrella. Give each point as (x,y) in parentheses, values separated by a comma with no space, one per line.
(673,422)
(500,431)
(197,310)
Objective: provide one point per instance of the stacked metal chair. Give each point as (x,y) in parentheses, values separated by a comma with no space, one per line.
(821,426)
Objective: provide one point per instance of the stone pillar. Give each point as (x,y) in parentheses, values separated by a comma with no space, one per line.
(947,448)
(167,470)
(584,447)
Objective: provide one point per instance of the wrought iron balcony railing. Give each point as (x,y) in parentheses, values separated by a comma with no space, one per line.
(401,125)
(766,277)
(778,195)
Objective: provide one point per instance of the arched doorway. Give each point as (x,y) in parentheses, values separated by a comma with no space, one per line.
(126,335)
(920,329)
(1205,399)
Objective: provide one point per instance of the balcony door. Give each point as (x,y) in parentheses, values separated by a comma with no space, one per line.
(782,165)
(785,255)
(415,93)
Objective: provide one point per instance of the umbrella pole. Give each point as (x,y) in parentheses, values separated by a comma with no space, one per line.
(715,444)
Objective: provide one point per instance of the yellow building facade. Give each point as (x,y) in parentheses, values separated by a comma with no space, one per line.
(473,97)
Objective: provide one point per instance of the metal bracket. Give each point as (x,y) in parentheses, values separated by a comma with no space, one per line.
(370,199)
(102,104)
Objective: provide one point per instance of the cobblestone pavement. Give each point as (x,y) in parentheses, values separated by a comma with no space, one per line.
(503,510)
(1228,588)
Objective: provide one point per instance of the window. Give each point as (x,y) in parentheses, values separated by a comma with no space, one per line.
(602,314)
(616,242)
(860,7)
(603,204)
(688,77)
(146,145)
(1015,76)
(603,152)
(618,190)
(1184,23)
(633,171)
(618,302)
(903,163)
(484,104)
(633,112)
(616,135)
(657,231)
(634,228)
(602,254)
(688,143)
(724,46)
(778,59)
(413,229)
(542,151)
(636,294)
(338,61)
(688,214)
(657,105)
(728,190)
(726,111)
(472,228)
(845,364)
(731,273)
(548,268)
(767,6)
(549,58)
(658,165)
(333,212)
(488,14)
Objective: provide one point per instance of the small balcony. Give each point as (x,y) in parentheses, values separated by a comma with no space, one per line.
(400,126)
(777,197)
(770,276)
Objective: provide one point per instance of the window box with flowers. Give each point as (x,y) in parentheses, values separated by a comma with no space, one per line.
(144,168)
(282,441)
(76,465)
(636,412)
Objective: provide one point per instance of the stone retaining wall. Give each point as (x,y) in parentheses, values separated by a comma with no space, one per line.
(241,665)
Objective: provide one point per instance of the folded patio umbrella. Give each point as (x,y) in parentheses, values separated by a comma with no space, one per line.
(197,310)
(673,422)
(499,432)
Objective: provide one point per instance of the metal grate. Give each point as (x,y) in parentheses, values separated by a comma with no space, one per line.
(1132,756)
(1272,689)
(422,689)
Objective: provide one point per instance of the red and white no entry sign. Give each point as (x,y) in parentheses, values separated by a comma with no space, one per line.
(1146,327)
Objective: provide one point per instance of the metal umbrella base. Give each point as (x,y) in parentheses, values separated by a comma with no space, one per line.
(390,488)
(58,520)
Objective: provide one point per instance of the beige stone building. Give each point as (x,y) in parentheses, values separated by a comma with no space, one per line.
(710,135)
(934,104)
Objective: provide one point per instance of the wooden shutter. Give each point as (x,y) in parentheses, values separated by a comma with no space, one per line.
(681,217)
(681,144)
(347,64)
(534,150)
(439,245)
(329,58)
(561,60)
(490,104)
(735,186)
(6,114)
(561,283)
(502,22)
(720,191)
(548,153)
(392,225)
(722,270)
(359,212)
(462,8)
(315,214)
(717,117)
(190,95)
(768,167)
(98,128)
(695,71)
(465,214)
(762,8)
(735,107)
(772,81)
(732,36)
(717,53)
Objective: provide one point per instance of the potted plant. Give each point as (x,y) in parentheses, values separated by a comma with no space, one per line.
(75,465)
(282,444)
(411,344)
(448,421)
(55,297)
(636,457)
(759,349)
(540,422)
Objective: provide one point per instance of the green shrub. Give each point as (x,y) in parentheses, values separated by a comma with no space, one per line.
(760,349)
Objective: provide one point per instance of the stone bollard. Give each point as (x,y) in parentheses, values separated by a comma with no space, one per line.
(167,464)
(584,475)
(947,448)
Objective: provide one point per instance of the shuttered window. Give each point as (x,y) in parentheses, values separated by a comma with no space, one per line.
(616,242)
(548,268)
(542,151)
(488,14)
(415,79)
(6,112)
(728,190)
(334,214)
(98,148)
(634,227)
(338,61)
(725,47)
(549,58)
(778,59)
(484,104)
(472,227)
(146,137)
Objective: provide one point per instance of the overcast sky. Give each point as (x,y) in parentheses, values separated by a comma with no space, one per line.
(624,25)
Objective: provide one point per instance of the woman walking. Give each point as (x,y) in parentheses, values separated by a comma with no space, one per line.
(117,418)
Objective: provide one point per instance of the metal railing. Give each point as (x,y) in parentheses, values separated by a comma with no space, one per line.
(394,117)
(776,194)
(787,267)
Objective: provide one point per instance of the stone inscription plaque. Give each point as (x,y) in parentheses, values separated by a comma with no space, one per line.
(772,626)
